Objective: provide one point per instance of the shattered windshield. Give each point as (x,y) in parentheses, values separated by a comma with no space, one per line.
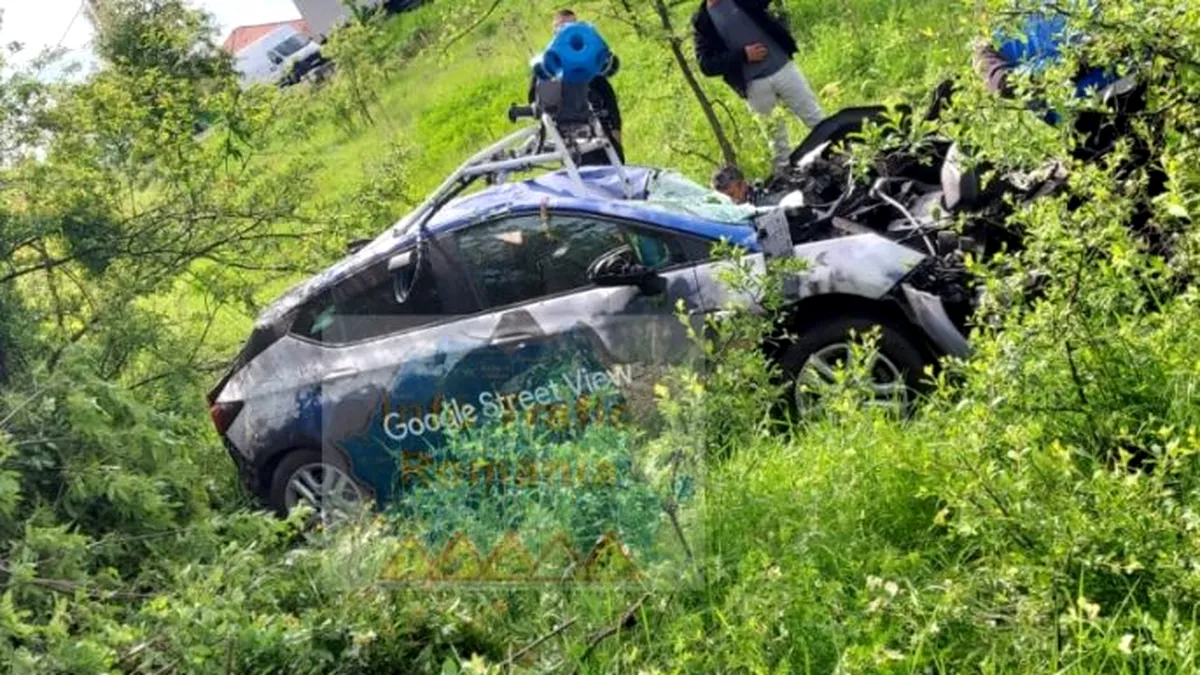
(672,191)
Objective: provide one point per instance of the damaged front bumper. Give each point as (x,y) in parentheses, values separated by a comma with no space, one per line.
(927,311)
(930,289)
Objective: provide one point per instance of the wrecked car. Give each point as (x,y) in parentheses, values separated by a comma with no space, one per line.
(923,191)
(377,358)
(557,298)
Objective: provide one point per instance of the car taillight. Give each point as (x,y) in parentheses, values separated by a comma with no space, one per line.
(223,415)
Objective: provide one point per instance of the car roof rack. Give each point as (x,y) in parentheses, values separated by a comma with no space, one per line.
(560,138)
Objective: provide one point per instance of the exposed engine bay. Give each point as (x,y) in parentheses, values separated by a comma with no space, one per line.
(922,195)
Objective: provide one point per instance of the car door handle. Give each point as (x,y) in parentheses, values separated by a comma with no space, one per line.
(513,336)
(341,373)
(513,331)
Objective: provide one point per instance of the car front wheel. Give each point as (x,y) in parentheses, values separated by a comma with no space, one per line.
(812,359)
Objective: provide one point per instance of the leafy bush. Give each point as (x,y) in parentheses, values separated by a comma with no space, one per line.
(1037,514)
(516,479)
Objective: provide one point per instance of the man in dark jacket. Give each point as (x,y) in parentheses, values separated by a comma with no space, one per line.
(752,50)
(600,95)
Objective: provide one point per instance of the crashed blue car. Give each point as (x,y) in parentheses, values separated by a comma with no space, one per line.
(549,298)
(375,359)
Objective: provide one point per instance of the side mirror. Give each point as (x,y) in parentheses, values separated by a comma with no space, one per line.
(621,273)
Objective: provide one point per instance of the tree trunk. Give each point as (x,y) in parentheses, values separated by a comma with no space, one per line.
(676,45)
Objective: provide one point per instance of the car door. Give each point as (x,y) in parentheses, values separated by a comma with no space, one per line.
(559,341)
(377,366)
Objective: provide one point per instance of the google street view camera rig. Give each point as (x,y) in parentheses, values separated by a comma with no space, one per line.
(563,74)
(568,128)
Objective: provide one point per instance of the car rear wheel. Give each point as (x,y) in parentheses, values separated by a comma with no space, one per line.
(320,480)
(812,360)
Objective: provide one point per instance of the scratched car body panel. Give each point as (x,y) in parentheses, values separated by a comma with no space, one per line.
(863,265)
(327,370)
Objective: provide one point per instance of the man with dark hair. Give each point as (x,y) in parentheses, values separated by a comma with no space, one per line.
(752,50)
(563,16)
(731,182)
(600,95)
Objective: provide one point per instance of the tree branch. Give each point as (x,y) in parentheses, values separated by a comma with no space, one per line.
(538,642)
(478,22)
(675,45)
(67,587)
(626,620)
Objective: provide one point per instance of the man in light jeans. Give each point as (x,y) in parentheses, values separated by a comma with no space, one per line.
(752,50)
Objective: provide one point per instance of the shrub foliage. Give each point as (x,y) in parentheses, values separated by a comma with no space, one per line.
(1037,514)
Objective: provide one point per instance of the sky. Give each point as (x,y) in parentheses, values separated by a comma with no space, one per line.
(39,24)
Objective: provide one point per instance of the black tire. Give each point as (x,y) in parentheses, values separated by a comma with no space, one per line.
(292,463)
(896,343)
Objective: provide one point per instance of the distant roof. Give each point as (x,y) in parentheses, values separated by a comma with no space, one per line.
(244,36)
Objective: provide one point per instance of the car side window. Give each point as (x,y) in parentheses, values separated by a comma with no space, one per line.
(524,258)
(364,307)
(655,250)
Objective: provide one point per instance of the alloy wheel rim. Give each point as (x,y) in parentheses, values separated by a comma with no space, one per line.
(888,385)
(331,493)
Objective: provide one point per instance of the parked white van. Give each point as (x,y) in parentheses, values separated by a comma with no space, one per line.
(280,57)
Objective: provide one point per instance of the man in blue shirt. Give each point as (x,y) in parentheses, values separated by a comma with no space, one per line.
(1038,46)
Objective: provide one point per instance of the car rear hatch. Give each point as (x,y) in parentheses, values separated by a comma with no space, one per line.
(224,412)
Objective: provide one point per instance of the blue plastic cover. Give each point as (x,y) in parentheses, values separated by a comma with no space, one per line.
(576,55)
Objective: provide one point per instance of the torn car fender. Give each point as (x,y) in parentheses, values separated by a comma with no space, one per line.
(929,314)
(864,265)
